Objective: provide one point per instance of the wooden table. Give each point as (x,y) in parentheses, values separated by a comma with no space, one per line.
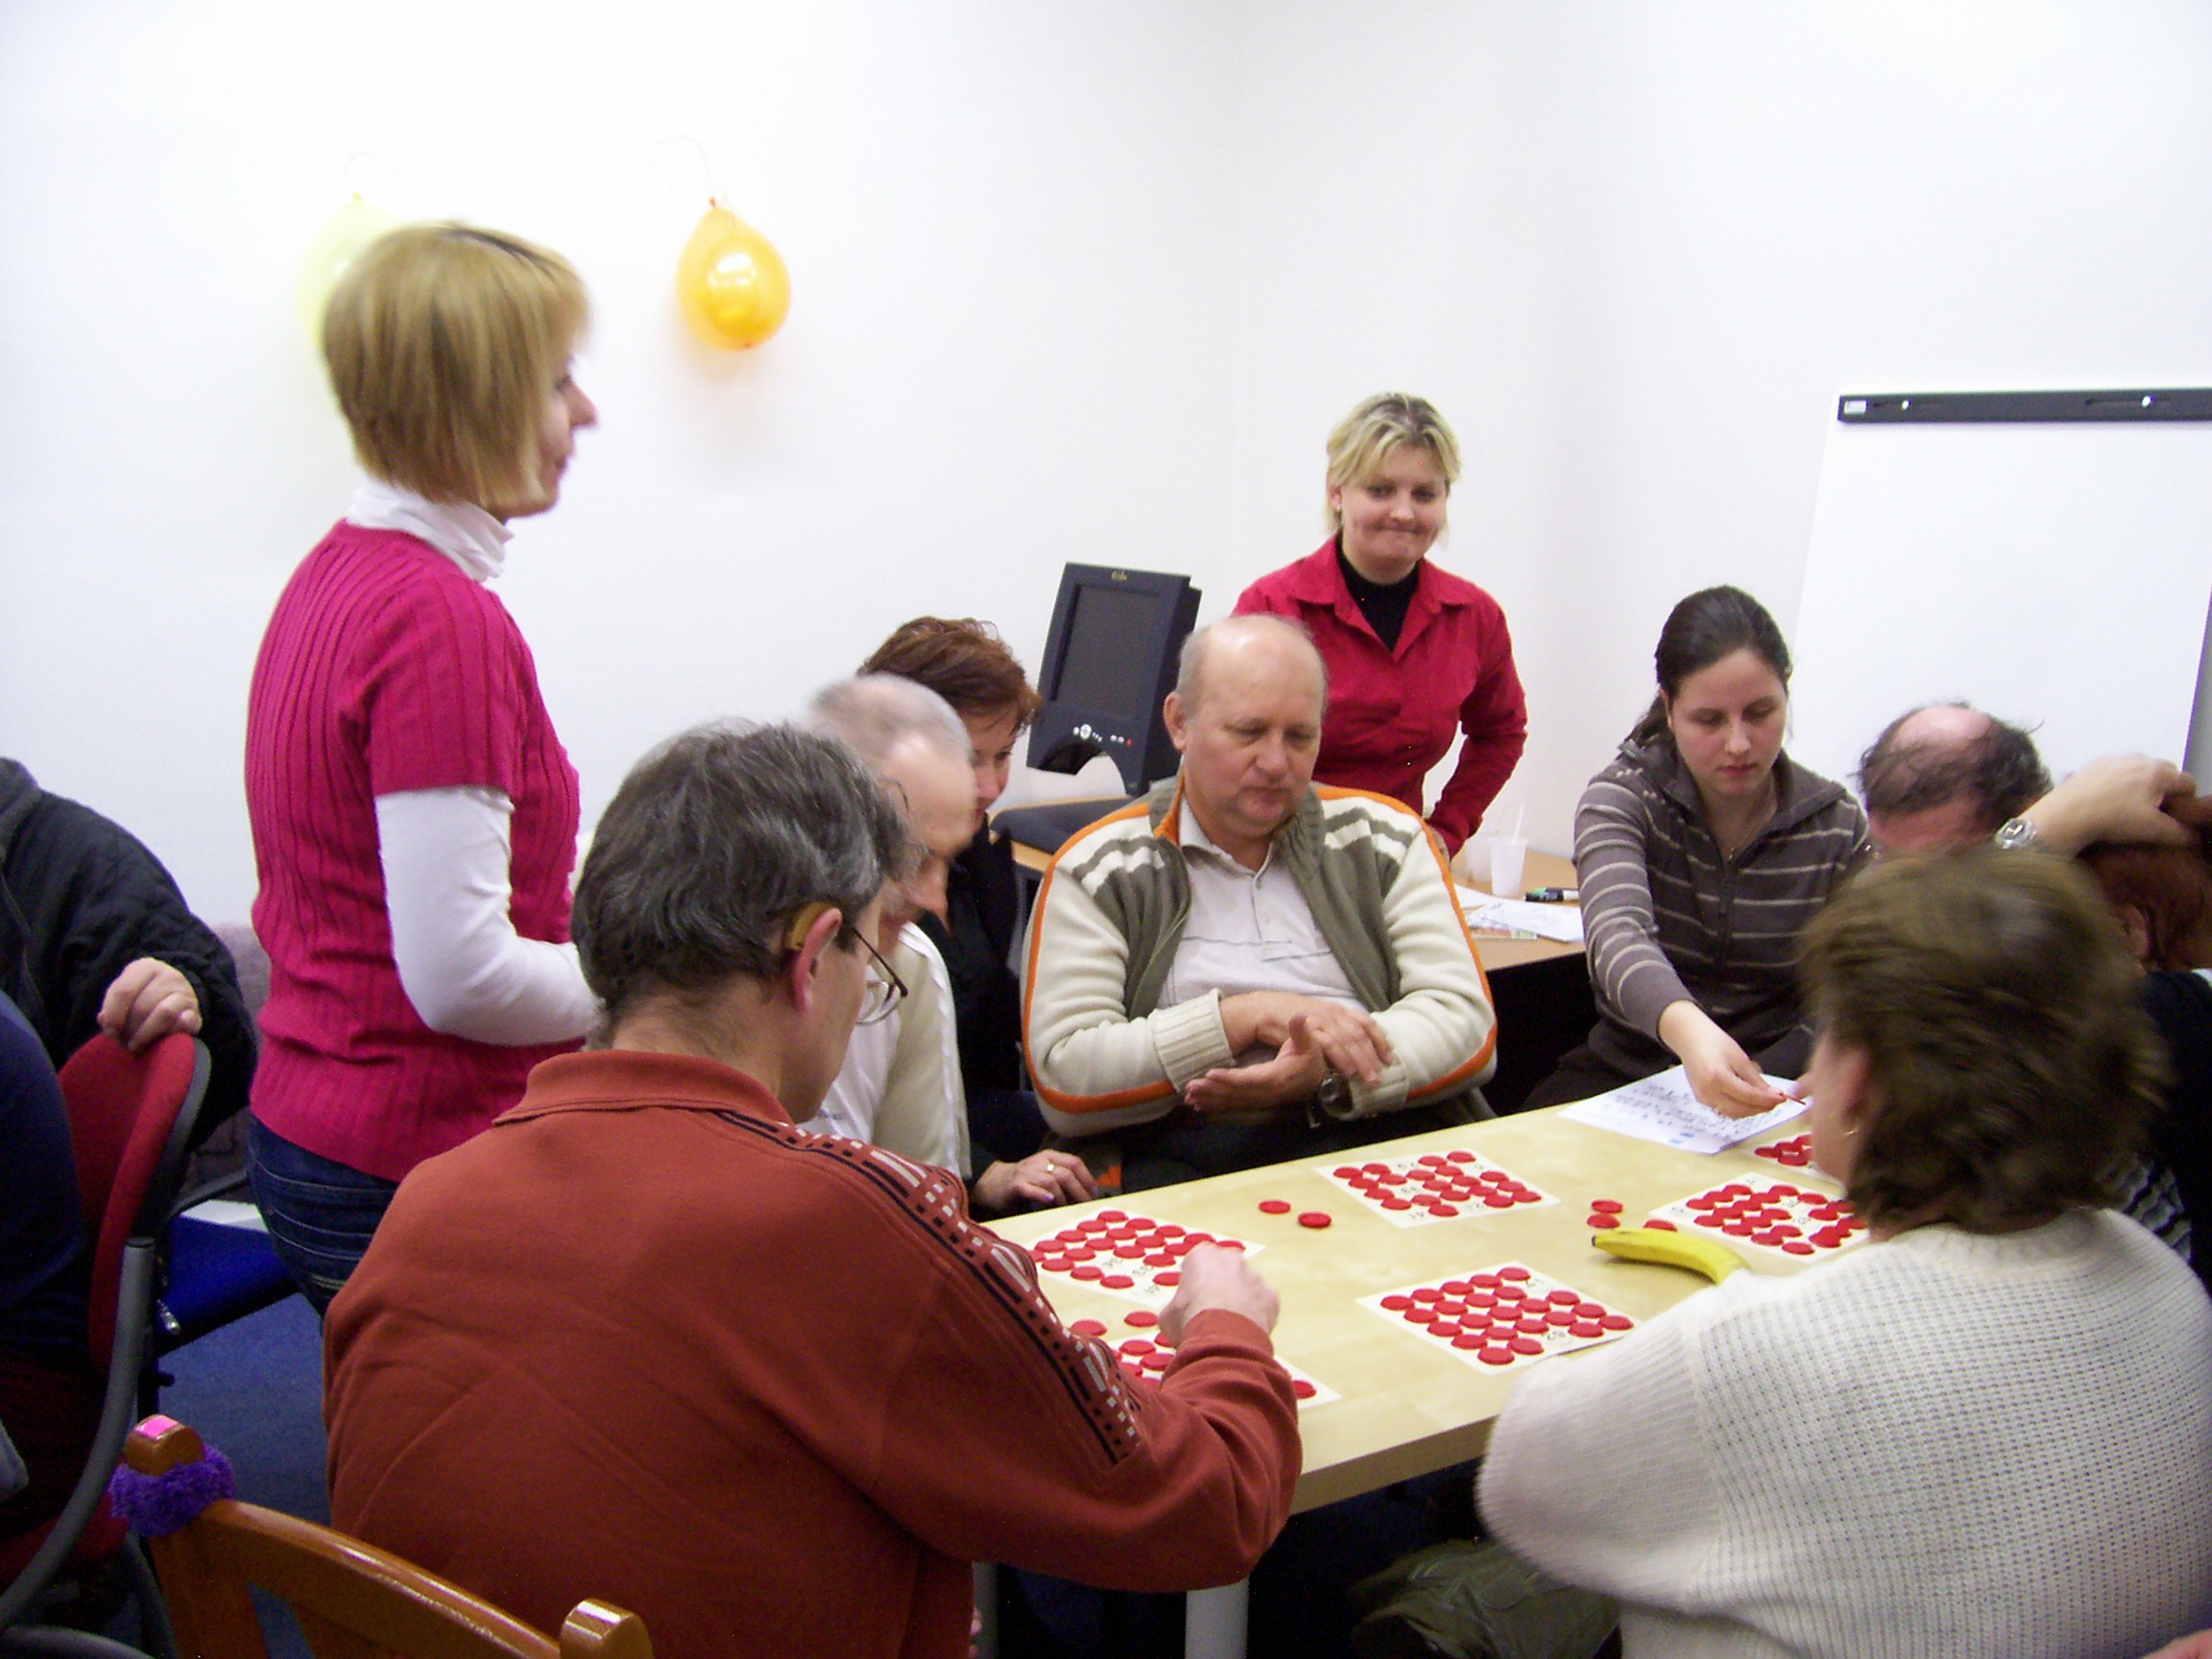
(1408,1409)
(1543,870)
(1541,991)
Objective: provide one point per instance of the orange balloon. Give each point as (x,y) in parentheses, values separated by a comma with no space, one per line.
(730,282)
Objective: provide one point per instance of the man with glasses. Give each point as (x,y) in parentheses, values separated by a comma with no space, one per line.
(645,1339)
(900,1088)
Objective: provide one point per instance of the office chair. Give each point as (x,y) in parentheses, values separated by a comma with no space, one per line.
(214,1274)
(129,1119)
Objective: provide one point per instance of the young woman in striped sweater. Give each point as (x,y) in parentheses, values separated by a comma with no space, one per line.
(1702,852)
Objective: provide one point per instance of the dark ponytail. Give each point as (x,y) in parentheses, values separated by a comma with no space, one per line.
(1711,623)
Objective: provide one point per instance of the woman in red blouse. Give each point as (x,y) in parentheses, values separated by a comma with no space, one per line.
(1416,656)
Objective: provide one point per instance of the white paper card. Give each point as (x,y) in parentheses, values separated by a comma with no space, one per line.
(1560,921)
(1663,1109)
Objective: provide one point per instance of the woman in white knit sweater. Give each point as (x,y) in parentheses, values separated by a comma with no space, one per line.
(1988,1432)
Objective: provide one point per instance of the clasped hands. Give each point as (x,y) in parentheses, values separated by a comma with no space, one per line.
(1310,1036)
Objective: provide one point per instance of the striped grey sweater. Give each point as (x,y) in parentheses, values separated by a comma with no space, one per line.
(1665,917)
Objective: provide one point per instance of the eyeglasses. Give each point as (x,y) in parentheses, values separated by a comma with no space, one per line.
(885,990)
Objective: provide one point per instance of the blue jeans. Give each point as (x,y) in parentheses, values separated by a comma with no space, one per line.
(321,1215)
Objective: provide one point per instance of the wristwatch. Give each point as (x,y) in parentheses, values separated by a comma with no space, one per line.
(2018,835)
(1332,1100)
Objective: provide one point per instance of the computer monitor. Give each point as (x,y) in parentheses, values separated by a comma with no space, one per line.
(1109,665)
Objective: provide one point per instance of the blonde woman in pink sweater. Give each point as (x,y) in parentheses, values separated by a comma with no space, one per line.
(414,813)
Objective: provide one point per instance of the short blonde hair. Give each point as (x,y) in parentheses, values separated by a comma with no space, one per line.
(1379,424)
(443,343)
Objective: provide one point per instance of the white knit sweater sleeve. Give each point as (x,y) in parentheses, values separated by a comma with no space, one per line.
(465,971)
(1441,1025)
(1095,1066)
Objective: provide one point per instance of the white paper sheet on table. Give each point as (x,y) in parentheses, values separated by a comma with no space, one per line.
(1560,921)
(1663,1109)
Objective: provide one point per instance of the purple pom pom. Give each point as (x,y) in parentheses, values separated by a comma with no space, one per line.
(156,1505)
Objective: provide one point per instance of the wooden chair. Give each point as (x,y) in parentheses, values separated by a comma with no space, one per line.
(352,1601)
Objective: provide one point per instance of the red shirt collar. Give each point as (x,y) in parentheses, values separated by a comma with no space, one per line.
(625,1079)
(1316,579)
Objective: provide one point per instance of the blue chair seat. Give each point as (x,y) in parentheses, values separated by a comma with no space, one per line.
(217,1273)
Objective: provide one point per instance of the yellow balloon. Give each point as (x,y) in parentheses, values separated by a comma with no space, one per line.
(343,234)
(730,282)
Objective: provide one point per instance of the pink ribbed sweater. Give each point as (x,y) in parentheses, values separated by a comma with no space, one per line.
(386,668)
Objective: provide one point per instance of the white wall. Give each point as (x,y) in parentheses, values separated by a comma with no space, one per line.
(1076,280)
(1635,251)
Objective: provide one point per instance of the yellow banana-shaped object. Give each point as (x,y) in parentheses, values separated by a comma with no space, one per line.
(1707,1255)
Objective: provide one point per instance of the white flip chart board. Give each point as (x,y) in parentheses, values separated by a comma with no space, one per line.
(2058,575)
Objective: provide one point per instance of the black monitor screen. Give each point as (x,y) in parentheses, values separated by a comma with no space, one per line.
(1106,665)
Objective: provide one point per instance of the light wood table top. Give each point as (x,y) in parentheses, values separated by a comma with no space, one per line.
(1408,1407)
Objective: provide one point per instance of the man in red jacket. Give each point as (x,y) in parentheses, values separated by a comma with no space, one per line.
(645,1340)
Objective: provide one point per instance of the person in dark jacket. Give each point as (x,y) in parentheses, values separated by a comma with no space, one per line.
(2163,897)
(49,1392)
(95,936)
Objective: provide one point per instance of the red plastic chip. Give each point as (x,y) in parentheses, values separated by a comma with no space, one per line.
(1274,1207)
(1314,1218)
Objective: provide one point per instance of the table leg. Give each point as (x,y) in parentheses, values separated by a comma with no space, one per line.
(1213,1622)
(987,1608)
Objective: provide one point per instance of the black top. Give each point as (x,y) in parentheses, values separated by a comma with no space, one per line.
(44,1265)
(81,900)
(2181,1006)
(1383,605)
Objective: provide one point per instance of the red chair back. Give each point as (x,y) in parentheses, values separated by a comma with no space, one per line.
(128,1117)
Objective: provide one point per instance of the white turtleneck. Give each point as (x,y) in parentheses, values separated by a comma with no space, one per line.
(445,852)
